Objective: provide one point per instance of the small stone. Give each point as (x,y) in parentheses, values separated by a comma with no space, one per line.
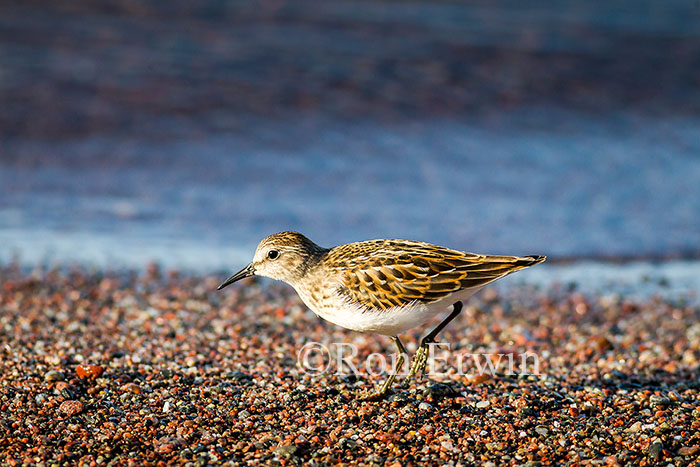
(600,343)
(66,392)
(240,377)
(41,398)
(619,374)
(166,407)
(347,443)
(655,449)
(243,414)
(286,451)
(542,430)
(689,450)
(87,371)
(482,404)
(440,391)
(60,386)
(187,408)
(132,388)
(479,378)
(447,446)
(659,401)
(398,397)
(635,427)
(664,427)
(71,408)
(425,406)
(53,375)
(168,444)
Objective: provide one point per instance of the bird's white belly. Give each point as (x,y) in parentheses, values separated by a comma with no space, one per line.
(387,322)
(390,322)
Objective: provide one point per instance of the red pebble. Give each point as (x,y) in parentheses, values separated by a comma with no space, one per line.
(61,385)
(71,407)
(87,371)
(168,444)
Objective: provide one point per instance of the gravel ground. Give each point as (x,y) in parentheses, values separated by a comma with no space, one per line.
(160,369)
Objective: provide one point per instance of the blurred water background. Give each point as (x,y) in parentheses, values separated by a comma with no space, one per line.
(183,132)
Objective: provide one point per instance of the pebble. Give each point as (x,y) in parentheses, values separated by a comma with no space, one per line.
(655,449)
(132,388)
(71,407)
(600,343)
(439,391)
(478,378)
(53,375)
(374,459)
(659,401)
(399,397)
(197,403)
(87,371)
(635,427)
(168,444)
(689,450)
(241,377)
(286,451)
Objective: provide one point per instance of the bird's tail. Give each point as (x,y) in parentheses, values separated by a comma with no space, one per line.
(488,268)
(509,264)
(527,261)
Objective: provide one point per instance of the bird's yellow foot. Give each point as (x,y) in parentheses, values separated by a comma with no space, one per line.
(420,359)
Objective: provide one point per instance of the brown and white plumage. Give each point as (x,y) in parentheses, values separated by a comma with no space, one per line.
(382,286)
(381,274)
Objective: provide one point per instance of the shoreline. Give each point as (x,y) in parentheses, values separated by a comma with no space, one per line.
(158,367)
(632,279)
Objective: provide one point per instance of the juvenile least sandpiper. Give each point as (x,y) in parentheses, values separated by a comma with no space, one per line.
(381,286)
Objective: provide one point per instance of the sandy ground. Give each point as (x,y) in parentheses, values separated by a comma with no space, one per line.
(159,369)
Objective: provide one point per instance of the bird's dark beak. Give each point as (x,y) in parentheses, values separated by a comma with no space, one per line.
(242,274)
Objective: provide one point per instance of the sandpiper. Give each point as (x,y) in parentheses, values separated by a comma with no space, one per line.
(381,286)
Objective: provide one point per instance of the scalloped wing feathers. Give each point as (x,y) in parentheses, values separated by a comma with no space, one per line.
(381,274)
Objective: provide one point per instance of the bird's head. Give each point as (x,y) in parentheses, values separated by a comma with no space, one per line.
(283,256)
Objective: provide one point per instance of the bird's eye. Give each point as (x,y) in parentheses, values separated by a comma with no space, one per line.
(273,254)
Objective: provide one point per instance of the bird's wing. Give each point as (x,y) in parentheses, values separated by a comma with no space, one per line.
(382,274)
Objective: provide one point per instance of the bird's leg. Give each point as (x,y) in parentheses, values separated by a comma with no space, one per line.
(420,359)
(397,368)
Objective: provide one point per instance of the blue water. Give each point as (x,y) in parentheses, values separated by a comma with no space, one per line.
(584,187)
(184,134)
